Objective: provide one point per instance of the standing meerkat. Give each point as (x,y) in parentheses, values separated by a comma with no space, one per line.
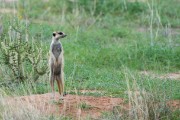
(56,63)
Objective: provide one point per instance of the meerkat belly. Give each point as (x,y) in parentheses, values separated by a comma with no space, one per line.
(57,69)
(56,50)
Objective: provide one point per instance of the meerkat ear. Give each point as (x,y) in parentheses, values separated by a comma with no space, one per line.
(54,34)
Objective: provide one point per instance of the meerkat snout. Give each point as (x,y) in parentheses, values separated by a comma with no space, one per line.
(58,35)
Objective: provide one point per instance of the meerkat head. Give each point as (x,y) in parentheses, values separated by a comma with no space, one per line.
(58,35)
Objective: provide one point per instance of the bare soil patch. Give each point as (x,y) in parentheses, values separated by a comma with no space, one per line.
(87,91)
(162,31)
(137,0)
(70,106)
(172,76)
(8,1)
(174,104)
(8,10)
(77,107)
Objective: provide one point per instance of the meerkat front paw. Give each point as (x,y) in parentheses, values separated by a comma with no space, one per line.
(61,97)
(52,95)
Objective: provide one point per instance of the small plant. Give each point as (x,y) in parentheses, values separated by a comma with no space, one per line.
(59,102)
(84,106)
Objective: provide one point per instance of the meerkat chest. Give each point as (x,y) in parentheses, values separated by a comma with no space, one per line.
(56,49)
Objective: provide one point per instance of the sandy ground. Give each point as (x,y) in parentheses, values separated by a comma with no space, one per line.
(70,106)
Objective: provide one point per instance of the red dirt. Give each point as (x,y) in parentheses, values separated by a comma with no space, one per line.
(70,105)
(174,104)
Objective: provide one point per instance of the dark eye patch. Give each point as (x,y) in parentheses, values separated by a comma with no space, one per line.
(54,34)
(60,33)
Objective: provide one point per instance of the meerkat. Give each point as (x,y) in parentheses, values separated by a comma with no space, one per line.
(56,63)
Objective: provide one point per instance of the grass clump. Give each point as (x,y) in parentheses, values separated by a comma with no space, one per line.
(84,106)
(143,105)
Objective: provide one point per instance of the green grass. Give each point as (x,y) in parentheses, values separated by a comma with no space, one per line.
(105,47)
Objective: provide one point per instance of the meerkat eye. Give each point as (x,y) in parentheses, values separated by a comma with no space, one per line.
(60,33)
(54,34)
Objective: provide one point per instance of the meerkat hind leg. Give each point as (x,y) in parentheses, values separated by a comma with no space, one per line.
(60,86)
(52,86)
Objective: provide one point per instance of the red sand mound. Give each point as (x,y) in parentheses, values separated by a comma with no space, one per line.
(72,105)
(78,107)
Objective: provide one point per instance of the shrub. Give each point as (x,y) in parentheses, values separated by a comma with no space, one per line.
(24,58)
